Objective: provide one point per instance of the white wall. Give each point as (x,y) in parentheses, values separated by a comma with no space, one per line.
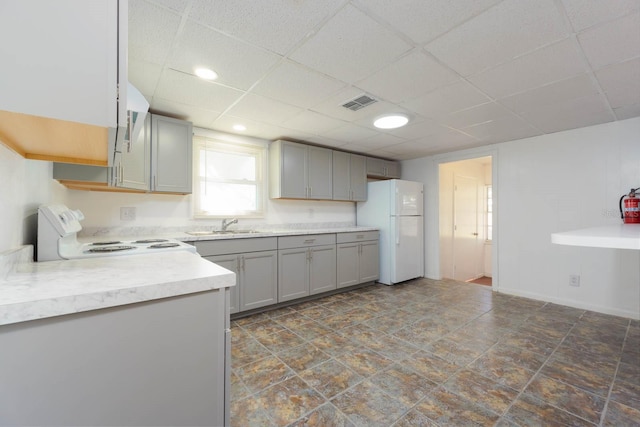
(25,185)
(551,183)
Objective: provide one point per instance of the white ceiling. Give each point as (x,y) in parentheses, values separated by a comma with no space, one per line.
(467,72)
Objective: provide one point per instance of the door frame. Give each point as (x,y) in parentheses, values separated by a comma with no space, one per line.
(432,210)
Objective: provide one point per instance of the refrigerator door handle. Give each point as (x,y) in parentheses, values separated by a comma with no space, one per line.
(397,232)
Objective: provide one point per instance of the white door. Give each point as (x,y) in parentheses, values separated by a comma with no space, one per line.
(408,198)
(407,254)
(465,228)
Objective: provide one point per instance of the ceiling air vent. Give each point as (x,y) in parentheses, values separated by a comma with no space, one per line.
(359,102)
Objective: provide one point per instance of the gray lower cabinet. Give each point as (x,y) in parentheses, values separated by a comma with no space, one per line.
(162,362)
(255,262)
(306,265)
(357,258)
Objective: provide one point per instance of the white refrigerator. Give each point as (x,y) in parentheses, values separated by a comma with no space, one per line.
(395,207)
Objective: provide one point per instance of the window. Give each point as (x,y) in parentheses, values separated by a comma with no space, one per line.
(489,210)
(229,179)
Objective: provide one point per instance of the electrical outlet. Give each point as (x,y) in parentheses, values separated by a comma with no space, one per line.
(127,213)
(574,280)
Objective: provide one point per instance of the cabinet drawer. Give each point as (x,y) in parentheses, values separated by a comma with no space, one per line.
(307,240)
(357,236)
(234,246)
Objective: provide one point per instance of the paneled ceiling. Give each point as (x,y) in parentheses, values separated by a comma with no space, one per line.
(467,72)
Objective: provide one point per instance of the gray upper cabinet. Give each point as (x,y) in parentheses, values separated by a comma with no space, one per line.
(299,171)
(349,177)
(171,155)
(380,168)
(134,161)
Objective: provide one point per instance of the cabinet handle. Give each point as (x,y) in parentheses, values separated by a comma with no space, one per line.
(121,174)
(155,182)
(310,192)
(359,236)
(310,255)
(242,263)
(309,241)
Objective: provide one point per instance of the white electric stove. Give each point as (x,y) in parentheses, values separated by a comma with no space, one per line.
(58,227)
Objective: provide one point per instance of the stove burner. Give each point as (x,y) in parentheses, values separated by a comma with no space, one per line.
(110,249)
(115,242)
(150,241)
(164,245)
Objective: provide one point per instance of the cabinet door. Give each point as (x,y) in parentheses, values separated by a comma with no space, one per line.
(320,175)
(293,273)
(135,161)
(322,269)
(171,153)
(341,176)
(375,167)
(358,177)
(293,169)
(369,261)
(258,279)
(347,264)
(392,170)
(230,262)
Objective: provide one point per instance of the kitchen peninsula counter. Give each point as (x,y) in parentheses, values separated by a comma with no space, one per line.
(36,290)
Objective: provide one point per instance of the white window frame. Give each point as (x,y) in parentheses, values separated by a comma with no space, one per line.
(215,144)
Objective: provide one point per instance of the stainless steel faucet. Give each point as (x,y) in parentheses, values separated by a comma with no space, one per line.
(226,223)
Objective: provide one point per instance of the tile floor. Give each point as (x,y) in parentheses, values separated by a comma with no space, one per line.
(434,353)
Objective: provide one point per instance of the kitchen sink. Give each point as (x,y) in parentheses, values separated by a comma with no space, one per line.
(220,232)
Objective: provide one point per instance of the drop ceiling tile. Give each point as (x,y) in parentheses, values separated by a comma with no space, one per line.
(198,116)
(176,5)
(506,128)
(381,140)
(332,106)
(327,142)
(585,13)
(297,85)
(553,93)
(277,25)
(479,114)
(144,76)
(186,89)
(612,42)
(350,46)
(349,132)
(263,109)
(586,111)
(237,64)
(358,148)
(419,129)
(410,76)
(423,21)
(446,100)
(451,140)
(152,31)
(627,111)
(624,75)
(499,34)
(312,123)
(549,64)
(622,96)
(225,123)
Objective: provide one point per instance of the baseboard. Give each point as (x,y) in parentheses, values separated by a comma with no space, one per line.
(572,303)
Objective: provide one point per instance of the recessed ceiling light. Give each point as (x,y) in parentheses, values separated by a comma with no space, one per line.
(391,121)
(206,73)
(239,128)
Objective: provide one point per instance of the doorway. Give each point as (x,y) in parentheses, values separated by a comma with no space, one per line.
(466,220)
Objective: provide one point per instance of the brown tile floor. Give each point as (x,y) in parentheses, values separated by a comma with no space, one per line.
(434,353)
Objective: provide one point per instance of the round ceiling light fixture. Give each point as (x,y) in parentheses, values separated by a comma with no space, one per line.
(206,73)
(391,121)
(239,127)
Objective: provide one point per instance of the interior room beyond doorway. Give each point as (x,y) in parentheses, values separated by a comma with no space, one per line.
(466,219)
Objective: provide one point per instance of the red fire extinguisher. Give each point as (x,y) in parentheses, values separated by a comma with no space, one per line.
(630,214)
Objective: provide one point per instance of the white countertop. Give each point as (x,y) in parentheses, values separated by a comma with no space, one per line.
(621,236)
(45,289)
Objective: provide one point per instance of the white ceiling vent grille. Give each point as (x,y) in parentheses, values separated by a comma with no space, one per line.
(359,102)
